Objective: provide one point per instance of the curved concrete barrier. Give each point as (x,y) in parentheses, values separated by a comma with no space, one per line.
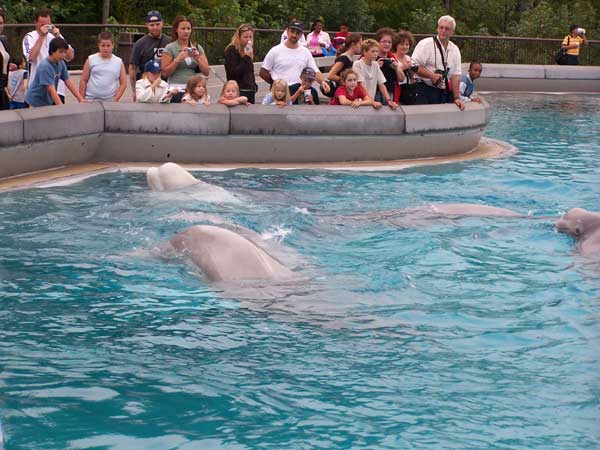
(537,78)
(43,138)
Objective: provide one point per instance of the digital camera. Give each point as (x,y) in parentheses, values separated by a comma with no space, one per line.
(50,28)
(581,31)
(441,83)
(189,49)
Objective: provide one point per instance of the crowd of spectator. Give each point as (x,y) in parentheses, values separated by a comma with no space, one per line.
(376,72)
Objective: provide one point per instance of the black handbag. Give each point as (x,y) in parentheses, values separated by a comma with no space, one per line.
(561,56)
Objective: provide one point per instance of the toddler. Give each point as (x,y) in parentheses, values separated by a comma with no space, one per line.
(230,95)
(279,95)
(151,88)
(17,84)
(195,91)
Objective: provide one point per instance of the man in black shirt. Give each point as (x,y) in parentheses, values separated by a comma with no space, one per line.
(147,48)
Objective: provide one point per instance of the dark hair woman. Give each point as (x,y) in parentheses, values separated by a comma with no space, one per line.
(343,60)
(4,62)
(182,59)
(318,39)
(239,61)
(389,64)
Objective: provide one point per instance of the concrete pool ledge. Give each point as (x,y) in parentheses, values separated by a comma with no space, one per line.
(43,138)
(74,173)
(538,78)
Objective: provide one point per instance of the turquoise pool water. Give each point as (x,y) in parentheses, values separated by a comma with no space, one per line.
(468,334)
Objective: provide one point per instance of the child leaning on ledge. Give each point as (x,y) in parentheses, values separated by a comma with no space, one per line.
(369,73)
(17,84)
(42,90)
(306,94)
(466,82)
(230,95)
(351,93)
(279,95)
(103,77)
(195,91)
(151,88)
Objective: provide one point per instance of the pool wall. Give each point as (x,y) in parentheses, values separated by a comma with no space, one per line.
(43,138)
(537,78)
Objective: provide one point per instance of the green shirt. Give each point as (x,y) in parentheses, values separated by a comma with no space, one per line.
(183,72)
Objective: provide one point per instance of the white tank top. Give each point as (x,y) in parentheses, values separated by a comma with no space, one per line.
(104,77)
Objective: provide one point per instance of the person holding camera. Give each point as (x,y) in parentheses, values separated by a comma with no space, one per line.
(390,67)
(181,59)
(36,45)
(439,68)
(572,43)
(401,45)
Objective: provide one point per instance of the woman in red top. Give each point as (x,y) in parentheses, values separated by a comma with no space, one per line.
(351,93)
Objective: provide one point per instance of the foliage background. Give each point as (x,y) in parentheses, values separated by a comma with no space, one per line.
(543,18)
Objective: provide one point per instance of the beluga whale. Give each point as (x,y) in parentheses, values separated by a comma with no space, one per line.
(171,177)
(225,255)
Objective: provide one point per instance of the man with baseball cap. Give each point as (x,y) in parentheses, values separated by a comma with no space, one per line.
(150,47)
(287,61)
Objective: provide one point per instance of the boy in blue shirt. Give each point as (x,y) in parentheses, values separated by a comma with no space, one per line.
(466,82)
(42,89)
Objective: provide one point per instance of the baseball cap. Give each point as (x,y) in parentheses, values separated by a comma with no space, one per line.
(308,73)
(153,16)
(296,25)
(152,66)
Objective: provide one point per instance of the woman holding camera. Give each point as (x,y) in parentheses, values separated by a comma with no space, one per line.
(389,65)
(572,43)
(239,61)
(182,59)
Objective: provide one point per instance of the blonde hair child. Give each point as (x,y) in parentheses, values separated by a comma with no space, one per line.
(230,94)
(279,95)
(195,91)
(369,73)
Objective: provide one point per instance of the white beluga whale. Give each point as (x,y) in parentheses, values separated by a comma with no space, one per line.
(224,255)
(434,212)
(584,226)
(170,177)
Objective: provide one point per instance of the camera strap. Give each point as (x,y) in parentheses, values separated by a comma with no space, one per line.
(439,46)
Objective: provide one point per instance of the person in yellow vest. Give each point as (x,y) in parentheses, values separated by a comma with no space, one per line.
(572,43)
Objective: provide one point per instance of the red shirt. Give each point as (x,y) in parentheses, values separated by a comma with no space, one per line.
(359,92)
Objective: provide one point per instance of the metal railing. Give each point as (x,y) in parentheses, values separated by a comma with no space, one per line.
(487,49)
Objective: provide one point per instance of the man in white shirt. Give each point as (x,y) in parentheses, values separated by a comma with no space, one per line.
(37,42)
(284,35)
(439,63)
(286,61)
